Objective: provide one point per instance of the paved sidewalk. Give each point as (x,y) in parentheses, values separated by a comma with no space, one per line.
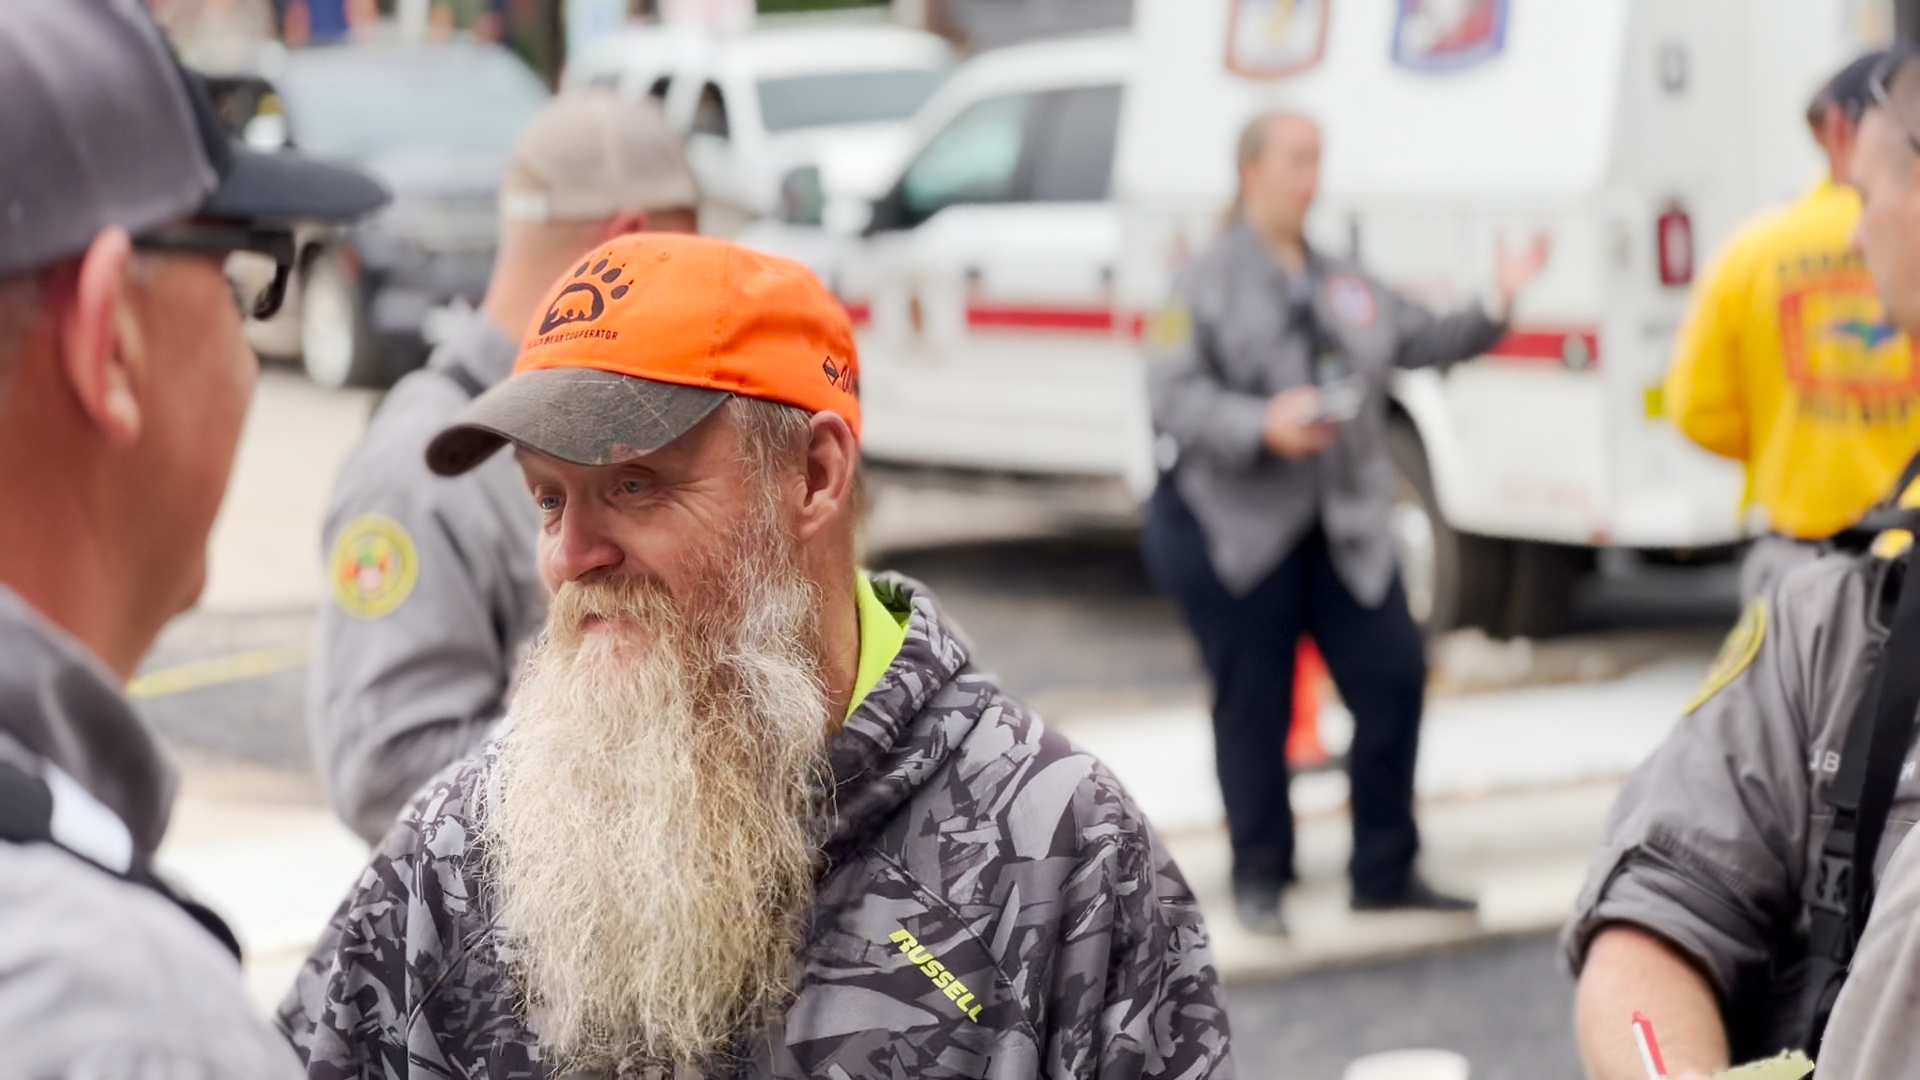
(1513,786)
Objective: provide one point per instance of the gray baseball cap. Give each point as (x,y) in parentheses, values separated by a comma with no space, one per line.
(102,126)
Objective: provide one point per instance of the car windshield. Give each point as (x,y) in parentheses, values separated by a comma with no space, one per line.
(845,97)
(361,106)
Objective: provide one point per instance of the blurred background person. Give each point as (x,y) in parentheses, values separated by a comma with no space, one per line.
(1788,365)
(433,583)
(1268,379)
(135,243)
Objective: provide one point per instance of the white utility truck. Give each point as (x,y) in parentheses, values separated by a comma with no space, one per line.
(1057,188)
(788,110)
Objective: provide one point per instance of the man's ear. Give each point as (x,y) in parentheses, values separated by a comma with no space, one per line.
(833,463)
(100,348)
(620,224)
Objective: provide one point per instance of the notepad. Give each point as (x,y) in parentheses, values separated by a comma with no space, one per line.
(1793,1066)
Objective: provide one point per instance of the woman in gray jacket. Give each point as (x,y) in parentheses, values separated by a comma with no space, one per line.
(1269,381)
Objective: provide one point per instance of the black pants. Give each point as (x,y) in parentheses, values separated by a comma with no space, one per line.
(1375,657)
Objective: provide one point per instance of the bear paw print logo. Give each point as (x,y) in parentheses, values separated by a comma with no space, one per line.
(581,300)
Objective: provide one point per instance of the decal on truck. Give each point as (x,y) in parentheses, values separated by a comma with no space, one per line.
(1272,39)
(1447,35)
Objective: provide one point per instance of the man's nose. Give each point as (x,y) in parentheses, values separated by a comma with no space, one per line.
(579,549)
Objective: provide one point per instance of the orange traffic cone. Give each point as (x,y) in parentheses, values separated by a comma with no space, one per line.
(1303,739)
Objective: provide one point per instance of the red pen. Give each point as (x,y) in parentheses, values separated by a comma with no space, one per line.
(1649,1047)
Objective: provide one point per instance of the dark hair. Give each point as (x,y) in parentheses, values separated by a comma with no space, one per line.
(1849,90)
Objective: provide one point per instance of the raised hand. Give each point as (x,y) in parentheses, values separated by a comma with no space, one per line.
(1515,270)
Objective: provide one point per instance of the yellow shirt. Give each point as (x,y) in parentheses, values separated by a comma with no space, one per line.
(882,632)
(1787,364)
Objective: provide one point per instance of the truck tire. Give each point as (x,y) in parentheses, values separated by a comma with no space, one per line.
(1453,580)
(336,339)
(1539,600)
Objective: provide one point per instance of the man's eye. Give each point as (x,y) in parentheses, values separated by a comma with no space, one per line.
(547,503)
(631,486)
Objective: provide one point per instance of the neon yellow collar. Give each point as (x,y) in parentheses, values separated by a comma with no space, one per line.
(882,632)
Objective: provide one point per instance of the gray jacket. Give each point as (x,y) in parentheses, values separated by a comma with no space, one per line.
(413,661)
(1227,345)
(100,977)
(1872,1035)
(967,845)
(1714,840)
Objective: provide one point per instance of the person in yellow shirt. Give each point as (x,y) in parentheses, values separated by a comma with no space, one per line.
(1787,364)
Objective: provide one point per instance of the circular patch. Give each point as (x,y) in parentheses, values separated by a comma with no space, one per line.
(1736,653)
(373,566)
(1351,299)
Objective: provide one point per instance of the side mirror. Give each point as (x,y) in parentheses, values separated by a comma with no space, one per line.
(266,132)
(803,201)
(886,214)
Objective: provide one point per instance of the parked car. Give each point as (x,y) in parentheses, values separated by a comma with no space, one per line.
(435,123)
(805,110)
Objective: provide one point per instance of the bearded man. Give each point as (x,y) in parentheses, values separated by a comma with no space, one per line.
(753,813)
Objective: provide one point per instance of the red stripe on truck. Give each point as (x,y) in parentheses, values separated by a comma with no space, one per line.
(1008,317)
(1574,346)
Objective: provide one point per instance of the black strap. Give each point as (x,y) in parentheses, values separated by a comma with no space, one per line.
(26,817)
(457,374)
(1907,477)
(1861,797)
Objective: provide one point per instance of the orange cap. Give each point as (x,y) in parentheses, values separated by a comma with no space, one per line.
(647,335)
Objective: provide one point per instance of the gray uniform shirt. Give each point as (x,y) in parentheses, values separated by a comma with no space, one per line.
(1872,1035)
(1713,841)
(100,977)
(1227,345)
(413,658)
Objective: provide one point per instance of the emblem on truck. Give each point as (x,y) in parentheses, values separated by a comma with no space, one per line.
(1272,39)
(1447,35)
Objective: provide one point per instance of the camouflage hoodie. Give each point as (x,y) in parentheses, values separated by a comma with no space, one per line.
(994,905)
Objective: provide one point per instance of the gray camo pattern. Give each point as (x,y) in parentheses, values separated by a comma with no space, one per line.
(993,905)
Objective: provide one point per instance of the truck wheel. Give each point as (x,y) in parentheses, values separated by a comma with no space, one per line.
(1540,589)
(336,341)
(1453,580)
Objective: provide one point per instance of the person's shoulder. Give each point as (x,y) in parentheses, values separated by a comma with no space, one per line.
(1228,256)
(1807,226)
(1840,585)
(441,822)
(1048,796)
(390,457)
(113,972)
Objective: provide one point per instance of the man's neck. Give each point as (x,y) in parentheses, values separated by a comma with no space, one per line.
(513,294)
(65,574)
(840,644)
(1288,246)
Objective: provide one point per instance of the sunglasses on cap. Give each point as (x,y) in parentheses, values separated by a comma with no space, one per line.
(257,262)
(1880,88)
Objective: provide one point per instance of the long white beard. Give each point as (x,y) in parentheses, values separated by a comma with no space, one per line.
(647,832)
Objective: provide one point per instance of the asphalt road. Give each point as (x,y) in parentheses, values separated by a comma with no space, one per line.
(1502,1003)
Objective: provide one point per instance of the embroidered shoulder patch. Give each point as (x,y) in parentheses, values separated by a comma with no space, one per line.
(373,566)
(1352,300)
(1169,329)
(1736,653)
